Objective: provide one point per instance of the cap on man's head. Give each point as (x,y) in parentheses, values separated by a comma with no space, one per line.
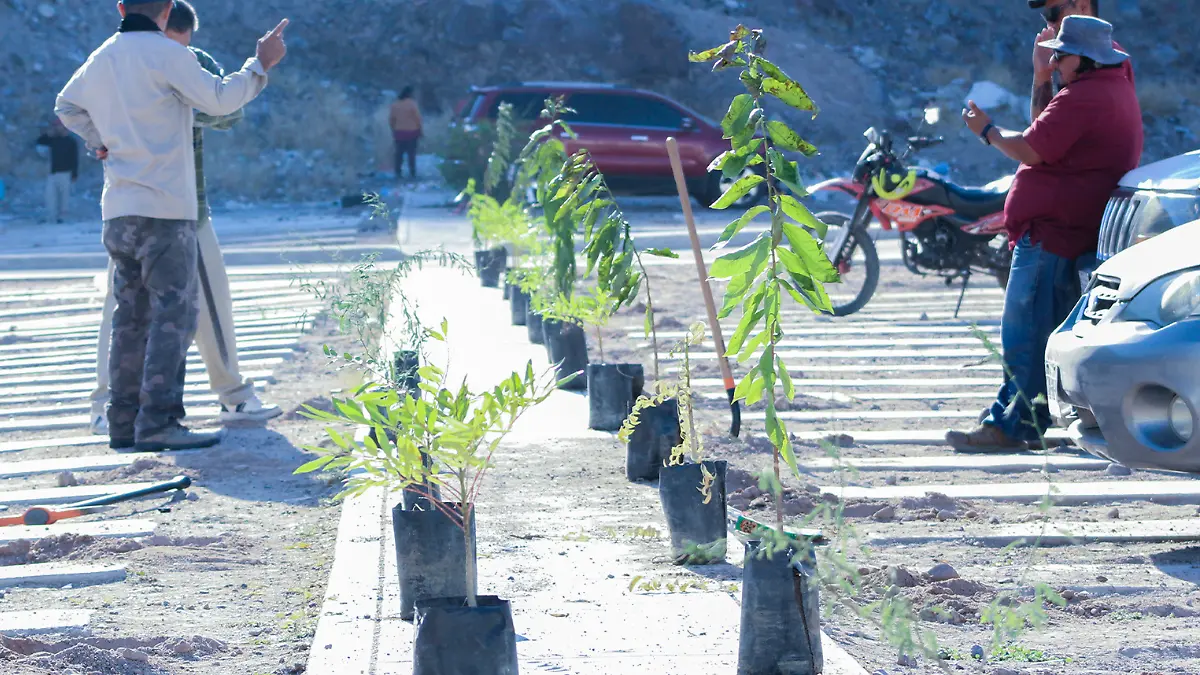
(130,3)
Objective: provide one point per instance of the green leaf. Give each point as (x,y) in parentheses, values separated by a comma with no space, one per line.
(738,116)
(770,69)
(738,190)
(752,81)
(734,293)
(790,92)
(709,54)
(753,345)
(736,226)
(741,260)
(812,252)
(649,324)
(747,324)
(662,253)
(786,172)
(315,465)
(783,136)
(789,388)
(800,213)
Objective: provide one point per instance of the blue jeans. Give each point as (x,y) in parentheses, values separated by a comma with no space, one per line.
(1042,290)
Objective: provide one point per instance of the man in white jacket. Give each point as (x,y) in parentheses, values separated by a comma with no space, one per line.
(215,339)
(132,103)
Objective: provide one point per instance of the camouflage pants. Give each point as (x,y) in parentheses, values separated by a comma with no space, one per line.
(154,282)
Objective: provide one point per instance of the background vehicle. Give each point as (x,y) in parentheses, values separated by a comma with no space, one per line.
(945,229)
(1149,201)
(625,130)
(1123,371)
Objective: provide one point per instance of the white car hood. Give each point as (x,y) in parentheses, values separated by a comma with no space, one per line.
(1138,266)
(1181,172)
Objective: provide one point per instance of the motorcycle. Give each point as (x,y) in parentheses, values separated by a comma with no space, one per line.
(945,229)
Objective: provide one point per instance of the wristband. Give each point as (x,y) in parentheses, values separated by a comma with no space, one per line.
(983,135)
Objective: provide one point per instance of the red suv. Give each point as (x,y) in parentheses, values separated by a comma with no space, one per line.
(625,130)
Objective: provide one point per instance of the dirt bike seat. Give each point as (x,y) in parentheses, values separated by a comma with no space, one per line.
(973,202)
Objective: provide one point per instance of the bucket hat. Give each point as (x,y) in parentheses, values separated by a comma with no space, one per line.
(1087,36)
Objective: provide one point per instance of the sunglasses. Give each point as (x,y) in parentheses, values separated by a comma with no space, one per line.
(1058,56)
(1054,14)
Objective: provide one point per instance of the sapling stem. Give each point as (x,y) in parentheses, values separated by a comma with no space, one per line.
(649,309)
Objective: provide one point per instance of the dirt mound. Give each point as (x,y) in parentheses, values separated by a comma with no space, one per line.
(104,656)
(319,402)
(143,469)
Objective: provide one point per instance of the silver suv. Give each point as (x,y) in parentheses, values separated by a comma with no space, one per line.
(1149,201)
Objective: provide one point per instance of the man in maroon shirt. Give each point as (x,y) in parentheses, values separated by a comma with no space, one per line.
(1072,157)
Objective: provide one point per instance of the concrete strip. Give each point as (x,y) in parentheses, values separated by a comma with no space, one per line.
(87,345)
(860,343)
(194,365)
(81,392)
(247,350)
(805,383)
(827,415)
(344,638)
(18,446)
(104,529)
(83,406)
(1107,579)
(882,396)
(1057,534)
(43,621)
(47,382)
(60,322)
(903,436)
(64,495)
(840,328)
(793,355)
(298,320)
(1184,491)
(81,421)
(60,574)
(85,463)
(950,462)
(798,373)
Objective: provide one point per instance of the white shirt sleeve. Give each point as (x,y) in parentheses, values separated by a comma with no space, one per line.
(69,108)
(208,93)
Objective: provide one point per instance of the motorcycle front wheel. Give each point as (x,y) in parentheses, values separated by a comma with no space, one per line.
(859,272)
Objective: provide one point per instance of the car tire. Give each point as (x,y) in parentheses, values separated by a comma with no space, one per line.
(718,184)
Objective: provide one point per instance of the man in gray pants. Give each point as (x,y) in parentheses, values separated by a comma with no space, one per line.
(215,339)
(132,104)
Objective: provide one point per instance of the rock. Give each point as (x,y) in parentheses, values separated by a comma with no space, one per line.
(960,587)
(1115,469)
(977,652)
(890,480)
(66,479)
(947,514)
(994,520)
(840,440)
(1114,514)
(46,10)
(1003,671)
(862,509)
(989,95)
(903,578)
(942,572)
(884,515)
(183,647)
(971,515)
(906,661)
(193,496)
(133,655)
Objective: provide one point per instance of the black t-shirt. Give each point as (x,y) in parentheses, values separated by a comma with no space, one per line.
(64,153)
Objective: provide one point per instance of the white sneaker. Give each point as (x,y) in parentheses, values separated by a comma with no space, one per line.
(252,410)
(99,423)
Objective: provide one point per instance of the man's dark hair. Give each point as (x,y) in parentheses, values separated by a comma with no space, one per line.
(1087,65)
(407,92)
(150,9)
(183,18)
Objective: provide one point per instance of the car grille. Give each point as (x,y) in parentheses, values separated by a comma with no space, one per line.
(1101,298)
(1119,223)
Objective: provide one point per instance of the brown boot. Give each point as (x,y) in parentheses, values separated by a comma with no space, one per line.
(985,438)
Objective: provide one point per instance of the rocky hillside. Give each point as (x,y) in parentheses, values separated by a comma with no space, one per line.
(315,131)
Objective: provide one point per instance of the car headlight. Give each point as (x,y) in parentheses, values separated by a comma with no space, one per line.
(1163,212)
(1166,300)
